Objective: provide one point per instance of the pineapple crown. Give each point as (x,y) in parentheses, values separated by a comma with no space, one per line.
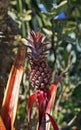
(38,48)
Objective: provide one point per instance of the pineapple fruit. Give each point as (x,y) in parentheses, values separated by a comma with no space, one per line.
(40,72)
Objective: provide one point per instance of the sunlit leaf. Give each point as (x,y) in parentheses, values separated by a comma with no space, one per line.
(10,101)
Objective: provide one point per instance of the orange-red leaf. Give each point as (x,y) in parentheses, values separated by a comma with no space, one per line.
(49,109)
(10,100)
(2,126)
(53,89)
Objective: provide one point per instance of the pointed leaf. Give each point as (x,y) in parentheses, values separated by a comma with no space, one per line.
(10,100)
(49,109)
(53,89)
(53,122)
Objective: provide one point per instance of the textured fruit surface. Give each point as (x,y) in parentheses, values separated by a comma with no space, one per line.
(40,72)
(40,75)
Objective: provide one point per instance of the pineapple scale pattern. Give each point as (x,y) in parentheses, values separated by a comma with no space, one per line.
(40,72)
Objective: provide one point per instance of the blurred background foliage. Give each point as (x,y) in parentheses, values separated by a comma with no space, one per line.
(60,20)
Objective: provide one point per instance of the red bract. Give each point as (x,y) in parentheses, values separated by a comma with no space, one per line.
(45,100)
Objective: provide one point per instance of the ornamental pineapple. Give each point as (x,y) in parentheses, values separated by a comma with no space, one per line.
(40,73)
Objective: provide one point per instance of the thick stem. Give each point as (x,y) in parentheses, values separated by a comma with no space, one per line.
(42,125)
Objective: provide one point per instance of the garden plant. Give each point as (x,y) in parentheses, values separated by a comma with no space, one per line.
(40,65)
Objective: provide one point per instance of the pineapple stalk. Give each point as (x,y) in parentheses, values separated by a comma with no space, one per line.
(40,77)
